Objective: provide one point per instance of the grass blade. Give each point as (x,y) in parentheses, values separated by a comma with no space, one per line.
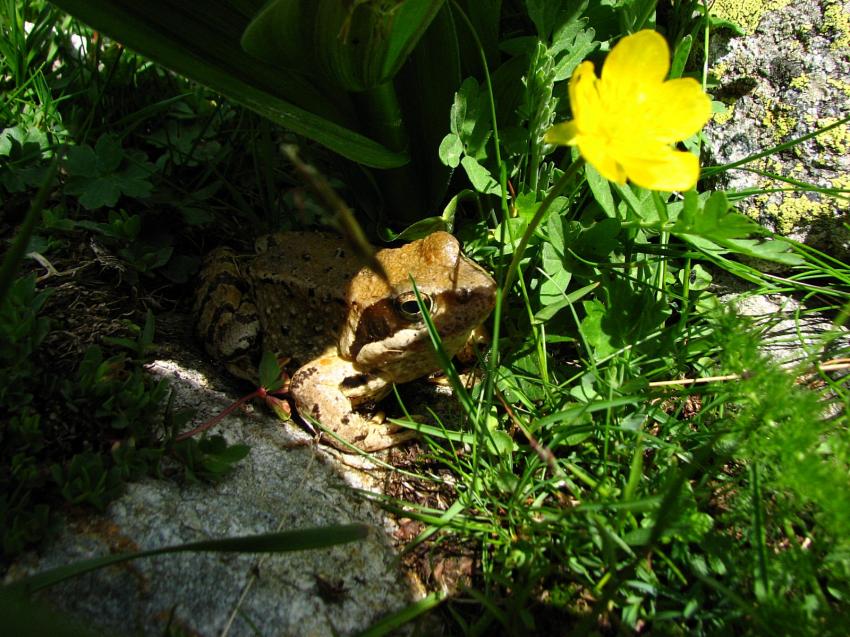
(300,540)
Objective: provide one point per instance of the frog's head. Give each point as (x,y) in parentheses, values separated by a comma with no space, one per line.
(384,330)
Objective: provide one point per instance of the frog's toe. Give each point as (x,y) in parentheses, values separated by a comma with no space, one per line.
(367,435)
(382,437)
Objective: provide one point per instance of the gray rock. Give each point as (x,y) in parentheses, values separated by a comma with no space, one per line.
(285,483)
(789,76)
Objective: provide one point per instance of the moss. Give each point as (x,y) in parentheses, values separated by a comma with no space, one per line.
(746,13)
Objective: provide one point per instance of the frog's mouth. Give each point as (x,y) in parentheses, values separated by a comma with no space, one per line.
(382,333)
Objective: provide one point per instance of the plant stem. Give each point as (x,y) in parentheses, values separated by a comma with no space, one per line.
(556,190)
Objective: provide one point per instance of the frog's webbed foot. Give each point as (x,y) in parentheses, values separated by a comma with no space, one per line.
(328,390)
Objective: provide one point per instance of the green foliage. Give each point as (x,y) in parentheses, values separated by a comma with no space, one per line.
(109,415)
(682,510)
(208,459)
(100,175)
(608,498)
(74,431)
(23,330)
(24,151)
(346,68)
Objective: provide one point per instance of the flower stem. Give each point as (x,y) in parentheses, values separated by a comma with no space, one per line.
(555,191)
(209,424)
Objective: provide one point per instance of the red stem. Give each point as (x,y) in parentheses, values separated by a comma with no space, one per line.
(217,419)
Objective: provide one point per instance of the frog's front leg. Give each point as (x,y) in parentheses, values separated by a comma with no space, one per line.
(329,388)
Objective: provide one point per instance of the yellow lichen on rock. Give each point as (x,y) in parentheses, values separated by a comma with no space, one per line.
(726,115)
(836,140)
(779,118)
(801,82)
(842,182)
(837,19)
(746,13)
(840,84)
(798,209)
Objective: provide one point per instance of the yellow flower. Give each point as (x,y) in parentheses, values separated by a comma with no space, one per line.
(626,122)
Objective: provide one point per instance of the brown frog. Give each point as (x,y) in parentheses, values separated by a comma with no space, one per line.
(304,295)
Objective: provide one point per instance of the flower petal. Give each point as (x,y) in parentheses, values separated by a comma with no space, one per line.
(584,96)
(563,134)
(680,108)
(626,121)
(641,58)
(597,154)
(666,170)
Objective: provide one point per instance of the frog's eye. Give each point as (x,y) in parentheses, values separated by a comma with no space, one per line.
(409,308)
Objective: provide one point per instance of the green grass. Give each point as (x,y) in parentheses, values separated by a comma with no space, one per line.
(595,497)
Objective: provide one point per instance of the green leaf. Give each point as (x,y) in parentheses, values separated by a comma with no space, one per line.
(699,278)
(715,221)
(450,210)
(147,332)
(201,40)
(556,277)
(386,625)
(219,457)
(97,177)
(599,240)
(451,148)
(408,26)
(593,332)
(270,372)
(363,45)
(601,189)
(426,86)
(109,154)
(480,177)
(145,257)
(716,228)
(551,310)
(469,118)
(81,161)
(680,56)
(416,230)
(774,250)
(578,50)
(96,193)
(466,94)
(21,616)
(500,443)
